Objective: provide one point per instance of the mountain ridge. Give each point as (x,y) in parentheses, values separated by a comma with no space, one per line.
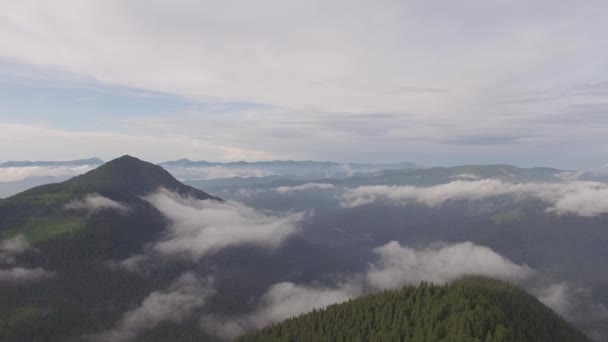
(125,173)
(28,163)
(188,162)
(470,309)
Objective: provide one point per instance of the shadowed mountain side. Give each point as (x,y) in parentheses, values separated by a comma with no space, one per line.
(123,180)
(79,231)
(136,176)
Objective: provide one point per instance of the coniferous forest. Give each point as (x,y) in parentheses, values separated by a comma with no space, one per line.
(472,309)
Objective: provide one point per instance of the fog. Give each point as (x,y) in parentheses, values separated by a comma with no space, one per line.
(201,227)
(23,275)
(13,174)
(180,299)
(94,203)
(571,197)
(11,248)
(286,190)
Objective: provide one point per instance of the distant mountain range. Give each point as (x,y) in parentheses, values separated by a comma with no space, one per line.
(21,175)
(186,169)
(281,163)
(27,163)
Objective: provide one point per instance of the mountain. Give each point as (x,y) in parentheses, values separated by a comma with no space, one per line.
(123,180)
(76,229)
(93,244)
(407,176)
(27,163)
(471,309)
(283,163)
(200,170)
(67,277)
(126,175)
(131,174)
(439,175)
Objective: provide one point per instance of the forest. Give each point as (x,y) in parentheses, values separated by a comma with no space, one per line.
(471,309)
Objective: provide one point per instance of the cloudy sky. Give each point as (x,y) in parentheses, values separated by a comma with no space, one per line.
(433,82)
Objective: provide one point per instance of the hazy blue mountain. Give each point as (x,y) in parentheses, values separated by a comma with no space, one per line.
(186,169)
(221,183)
(77,162)
(288,163)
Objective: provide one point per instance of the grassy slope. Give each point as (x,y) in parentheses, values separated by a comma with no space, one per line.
(42,229)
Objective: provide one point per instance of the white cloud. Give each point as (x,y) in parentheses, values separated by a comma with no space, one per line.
(338,65)
(577,305)
(182,298)
(399,265)
(432,196)
(12,174)
(22,275)
(95,202)
(570,175)
(316,83)
(466,176)
(201,227)
(573,197)
(10,248)
(281,301)
(286,190)
(557,297)
(38,140)
(585,201)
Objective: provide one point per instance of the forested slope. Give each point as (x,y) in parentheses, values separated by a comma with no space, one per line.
(472,309)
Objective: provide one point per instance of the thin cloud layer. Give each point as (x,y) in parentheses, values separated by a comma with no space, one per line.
(281,301)
(286,190)
(574,197)
(558,297)
(23,275)
(577,305)
(201,227)
(94,203)
(11,248)
(182,298)
(466,176)
(13,174)
(333,92)
(215,172)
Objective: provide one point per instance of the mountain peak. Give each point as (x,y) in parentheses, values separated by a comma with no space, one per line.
(128,173)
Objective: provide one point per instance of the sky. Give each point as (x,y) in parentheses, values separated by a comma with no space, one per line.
(431,82)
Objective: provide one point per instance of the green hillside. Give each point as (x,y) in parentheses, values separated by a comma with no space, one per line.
(84,294)
(38,213)
(472,309)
